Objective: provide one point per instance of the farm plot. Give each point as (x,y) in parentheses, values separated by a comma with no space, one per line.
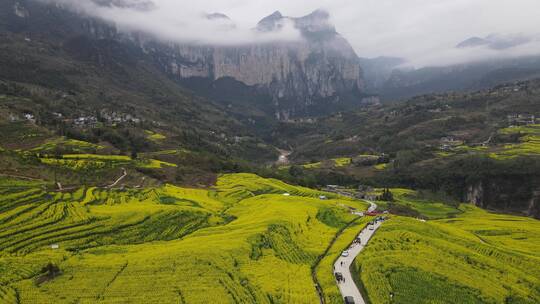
(64,144)
(528,145)
(97,162)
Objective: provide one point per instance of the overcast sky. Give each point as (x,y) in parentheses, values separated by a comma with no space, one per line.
(423,31)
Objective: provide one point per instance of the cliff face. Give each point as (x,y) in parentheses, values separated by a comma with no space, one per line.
(534,205)
(320,67)
(519,195)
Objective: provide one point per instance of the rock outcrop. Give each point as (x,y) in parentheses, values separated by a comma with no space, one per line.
(507,195)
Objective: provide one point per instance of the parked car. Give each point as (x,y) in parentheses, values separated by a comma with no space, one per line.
(345,253)
(349,300)
(371,227)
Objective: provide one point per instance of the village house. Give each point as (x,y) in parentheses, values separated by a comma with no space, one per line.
(85,121)
(447,143)
(115,117)
(371,100)
(521,119)
(30,117)
(366,160)
(365,192)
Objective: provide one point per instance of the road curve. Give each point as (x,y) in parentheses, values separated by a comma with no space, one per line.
(124,174)
(343,264)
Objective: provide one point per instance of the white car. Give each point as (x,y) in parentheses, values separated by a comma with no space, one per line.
(371,227)
(345,253)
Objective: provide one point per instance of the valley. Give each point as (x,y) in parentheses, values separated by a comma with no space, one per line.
(158,152)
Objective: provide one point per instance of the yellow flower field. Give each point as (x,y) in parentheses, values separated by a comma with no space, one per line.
(241,242)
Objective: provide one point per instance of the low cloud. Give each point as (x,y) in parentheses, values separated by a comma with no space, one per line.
(455,56)
(424,32)
(179,21)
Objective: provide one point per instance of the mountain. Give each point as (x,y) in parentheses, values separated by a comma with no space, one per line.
(320,71)
(387,77)
(463,77)
(317,73)
(472,42)
(495,41)
(378,70)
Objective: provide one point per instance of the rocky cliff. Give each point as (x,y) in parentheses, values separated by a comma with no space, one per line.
(517,194)
(321,67)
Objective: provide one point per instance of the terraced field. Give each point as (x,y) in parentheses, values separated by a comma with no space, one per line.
(166,244)
(426,208)
(476,257)
(66,144)
(529,142)
(96,162)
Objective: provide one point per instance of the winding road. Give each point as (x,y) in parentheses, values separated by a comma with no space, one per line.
(347,287)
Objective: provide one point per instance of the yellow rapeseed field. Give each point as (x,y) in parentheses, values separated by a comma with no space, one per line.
(474,257)
(248,240)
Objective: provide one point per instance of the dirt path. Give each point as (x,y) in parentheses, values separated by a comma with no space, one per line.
(348,288)
(21,177)
(118,180)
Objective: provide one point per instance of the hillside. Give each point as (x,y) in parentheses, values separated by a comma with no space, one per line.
(106,244)
(390,80)
(58,82)
(318,71)
(416,122)
(479,147)
(462,259)
(197,245)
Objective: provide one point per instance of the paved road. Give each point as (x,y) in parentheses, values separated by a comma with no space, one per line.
(348,288)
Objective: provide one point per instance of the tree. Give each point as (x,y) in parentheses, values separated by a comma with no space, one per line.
(387,195)
(50,270)
(296,171)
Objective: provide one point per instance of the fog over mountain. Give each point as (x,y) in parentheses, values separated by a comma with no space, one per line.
(424,32)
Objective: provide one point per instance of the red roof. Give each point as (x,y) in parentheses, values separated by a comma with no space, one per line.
(373,213)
